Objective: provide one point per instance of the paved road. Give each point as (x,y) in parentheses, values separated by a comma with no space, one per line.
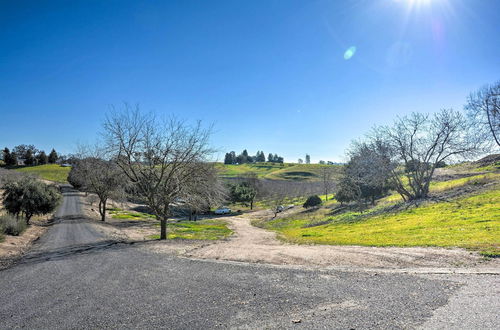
(76,278)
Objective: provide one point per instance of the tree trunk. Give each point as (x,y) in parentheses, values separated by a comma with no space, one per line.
(163,225)
(251,204)
(103,213)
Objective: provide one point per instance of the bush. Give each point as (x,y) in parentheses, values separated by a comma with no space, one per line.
(9,225)
(312,201)
(29,197)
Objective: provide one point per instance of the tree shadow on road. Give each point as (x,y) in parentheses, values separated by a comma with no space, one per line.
(35,256)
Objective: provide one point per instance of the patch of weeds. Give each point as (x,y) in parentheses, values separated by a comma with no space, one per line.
(9,225)
(127,215)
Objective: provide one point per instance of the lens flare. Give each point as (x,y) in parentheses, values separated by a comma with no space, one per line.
(349,53)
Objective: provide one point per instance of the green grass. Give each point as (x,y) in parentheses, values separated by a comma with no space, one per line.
(471,222)
(51,172)
(441,186)
(286,171)
(474,180)
(197,230)
(117,213)
(489,168)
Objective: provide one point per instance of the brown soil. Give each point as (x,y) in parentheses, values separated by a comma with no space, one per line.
(132,230)
(13,247)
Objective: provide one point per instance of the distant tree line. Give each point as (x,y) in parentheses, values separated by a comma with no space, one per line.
(244,158)
(29,155)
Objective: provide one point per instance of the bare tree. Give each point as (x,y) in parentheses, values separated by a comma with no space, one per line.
(98,176)
(277,198)
(327,179)
(483,110)
(159,157)
(204,190)
(417,143)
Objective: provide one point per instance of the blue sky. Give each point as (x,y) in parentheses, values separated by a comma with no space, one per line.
(270,75)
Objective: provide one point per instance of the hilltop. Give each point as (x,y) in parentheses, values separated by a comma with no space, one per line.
(277,171)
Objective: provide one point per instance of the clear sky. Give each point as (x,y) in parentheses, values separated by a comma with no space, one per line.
(278,76)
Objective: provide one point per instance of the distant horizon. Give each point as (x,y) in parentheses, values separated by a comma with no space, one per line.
(289,77)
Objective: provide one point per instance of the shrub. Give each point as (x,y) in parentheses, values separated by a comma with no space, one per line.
(312,201)
(11,226)
(30,197)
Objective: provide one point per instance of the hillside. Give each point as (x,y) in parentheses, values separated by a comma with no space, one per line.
(276,171)
(51,172)
(272,171)
(463,211)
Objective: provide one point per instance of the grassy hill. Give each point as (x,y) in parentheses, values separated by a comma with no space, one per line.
(275,171)
(464,211)
(51,172)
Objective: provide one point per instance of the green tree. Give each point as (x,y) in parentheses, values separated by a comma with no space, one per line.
(53,157)
(9,158)
(312,201)
(29,197)
(243,193)
(42,158)
(22,150)
(29,160)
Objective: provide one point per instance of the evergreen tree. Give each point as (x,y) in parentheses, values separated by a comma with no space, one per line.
(312,201)
(245,156)
(52,157)
(42,158)
(308,159)
(270,158)
(29,160)
(227,159)
(13,157)
(233,157)
(9,158)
